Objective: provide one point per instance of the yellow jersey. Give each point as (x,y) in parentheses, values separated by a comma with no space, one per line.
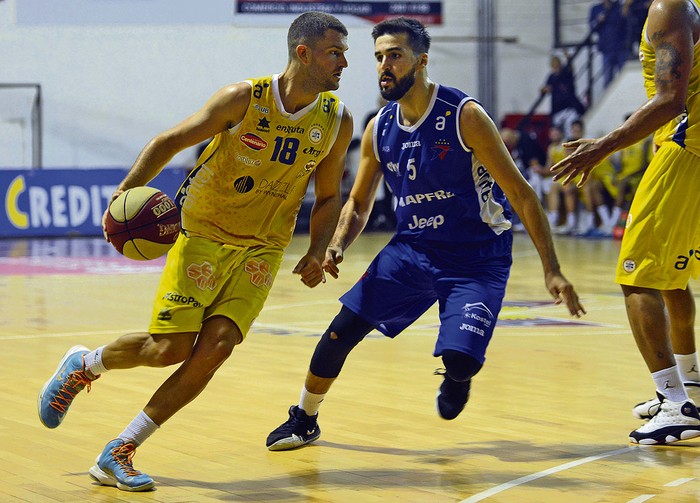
(555,153)
(251,179)
(684,130)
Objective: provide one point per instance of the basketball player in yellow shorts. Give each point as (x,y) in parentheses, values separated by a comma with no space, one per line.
(238,209)
(659,251)
(658,230)
(249,272)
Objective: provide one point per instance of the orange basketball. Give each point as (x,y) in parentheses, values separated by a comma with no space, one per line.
(142,223)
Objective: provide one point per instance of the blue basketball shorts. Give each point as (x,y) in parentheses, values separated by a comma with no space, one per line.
(404,280)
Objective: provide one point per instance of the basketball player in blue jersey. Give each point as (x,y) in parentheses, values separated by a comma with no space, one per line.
(282,127)
(450,172)
(660,249)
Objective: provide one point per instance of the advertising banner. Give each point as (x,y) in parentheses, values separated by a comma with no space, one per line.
(65,202)
(263,12)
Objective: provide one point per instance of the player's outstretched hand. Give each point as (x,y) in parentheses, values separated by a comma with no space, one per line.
(563,291)
(587,154)
(310,270)
(334,256)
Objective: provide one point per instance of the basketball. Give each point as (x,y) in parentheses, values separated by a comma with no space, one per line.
(142,223)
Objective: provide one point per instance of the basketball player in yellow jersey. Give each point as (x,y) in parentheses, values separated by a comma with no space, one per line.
(239,208)
(660,249)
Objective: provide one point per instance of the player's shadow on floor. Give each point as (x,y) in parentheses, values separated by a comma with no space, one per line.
(449,469)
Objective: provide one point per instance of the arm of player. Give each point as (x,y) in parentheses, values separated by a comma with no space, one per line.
(358,207)
(223,110)
(481,135)
(326,209)
(670,32)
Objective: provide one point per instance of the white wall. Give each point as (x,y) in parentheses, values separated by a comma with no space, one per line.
(108,89)
(624,95)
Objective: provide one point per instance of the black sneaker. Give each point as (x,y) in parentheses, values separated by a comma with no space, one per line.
(298,430)
(452,396)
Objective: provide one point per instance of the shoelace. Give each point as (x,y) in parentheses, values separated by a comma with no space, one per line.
(123,456)
(76,381)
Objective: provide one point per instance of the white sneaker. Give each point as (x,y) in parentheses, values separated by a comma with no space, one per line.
(563,230)
(648,409)
(673,422)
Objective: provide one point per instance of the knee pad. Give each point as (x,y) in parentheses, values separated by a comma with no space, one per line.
(344,333)
(460,366)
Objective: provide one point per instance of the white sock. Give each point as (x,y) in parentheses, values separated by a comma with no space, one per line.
(310,402)
(604,214)
(93,362)
(139,429)
(670,384)
(615,216)
(570,220)
(688,366)
(552,217)
(586,221)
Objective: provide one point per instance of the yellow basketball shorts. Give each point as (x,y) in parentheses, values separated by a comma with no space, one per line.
(203,278)
(661,245)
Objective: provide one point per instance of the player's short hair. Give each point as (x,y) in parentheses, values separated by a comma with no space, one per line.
(418,36)
(308,28)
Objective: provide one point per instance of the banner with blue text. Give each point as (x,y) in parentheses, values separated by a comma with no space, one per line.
(65,202)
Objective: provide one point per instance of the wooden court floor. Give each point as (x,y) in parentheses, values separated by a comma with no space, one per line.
(548,419)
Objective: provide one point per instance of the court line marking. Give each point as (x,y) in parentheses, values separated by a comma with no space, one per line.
(70,334)
(679,482)
(544,473)
(641,498)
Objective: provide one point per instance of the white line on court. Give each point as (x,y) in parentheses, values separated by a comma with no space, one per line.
(641,498)
(679,482)
(529,478)
(70,334)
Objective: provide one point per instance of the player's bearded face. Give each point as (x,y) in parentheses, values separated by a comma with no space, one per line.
(393,88)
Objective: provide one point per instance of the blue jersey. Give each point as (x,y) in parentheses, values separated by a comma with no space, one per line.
(444,194)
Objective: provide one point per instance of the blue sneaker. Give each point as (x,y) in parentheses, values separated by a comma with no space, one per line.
(59,391)
(298,430)
(452,396)
(114,468)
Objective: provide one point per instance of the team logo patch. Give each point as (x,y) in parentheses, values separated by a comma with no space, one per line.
(253,141)
(476,314)
(244,184)
(440,150)
(315,134)
(629,265)
(263,125)
(308,168)
(202,275)
(259,271)
(248,161)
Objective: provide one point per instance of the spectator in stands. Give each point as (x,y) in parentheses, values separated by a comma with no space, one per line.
(382,217)
(610,25)
(560,85)
(636,13)
(571,192)
(633,162)
(529,157)
(553,191)
(524,149)
(594,219)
